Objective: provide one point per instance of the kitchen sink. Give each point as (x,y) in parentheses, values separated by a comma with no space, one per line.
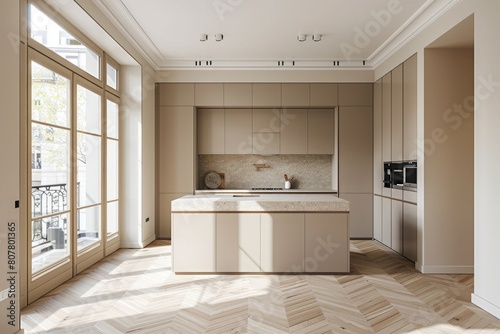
(249,195)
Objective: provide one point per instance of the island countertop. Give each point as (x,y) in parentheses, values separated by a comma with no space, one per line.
(260,203)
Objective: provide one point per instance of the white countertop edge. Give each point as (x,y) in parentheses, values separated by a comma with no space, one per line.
(250,191)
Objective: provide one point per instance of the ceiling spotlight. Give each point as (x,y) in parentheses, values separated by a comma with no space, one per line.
(316,37)
(219,37)
(203,37)
(301,37)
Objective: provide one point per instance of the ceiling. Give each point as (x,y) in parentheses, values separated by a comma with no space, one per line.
(262,33)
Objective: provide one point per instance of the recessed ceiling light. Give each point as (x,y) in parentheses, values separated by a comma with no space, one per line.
(316,37)
(301,37)
(219,37)
(203,37)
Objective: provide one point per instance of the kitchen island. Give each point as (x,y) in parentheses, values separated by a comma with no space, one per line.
(260,233)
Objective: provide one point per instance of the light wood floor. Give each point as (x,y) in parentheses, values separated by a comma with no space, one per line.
(134,291)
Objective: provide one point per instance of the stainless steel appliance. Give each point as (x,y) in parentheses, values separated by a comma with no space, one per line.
(410,174)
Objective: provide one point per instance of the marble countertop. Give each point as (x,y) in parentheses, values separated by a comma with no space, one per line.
(251,191)
(278,202)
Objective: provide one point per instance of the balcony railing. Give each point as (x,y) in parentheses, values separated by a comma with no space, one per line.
(48,200)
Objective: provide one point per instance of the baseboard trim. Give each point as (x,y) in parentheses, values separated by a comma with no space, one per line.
(444,269)
(485,305)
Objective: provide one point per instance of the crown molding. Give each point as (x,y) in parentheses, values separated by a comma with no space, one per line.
(429,12)
(125,22)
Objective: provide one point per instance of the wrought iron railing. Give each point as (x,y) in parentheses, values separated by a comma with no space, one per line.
(47,200)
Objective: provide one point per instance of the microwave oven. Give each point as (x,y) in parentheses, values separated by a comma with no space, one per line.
(410,174)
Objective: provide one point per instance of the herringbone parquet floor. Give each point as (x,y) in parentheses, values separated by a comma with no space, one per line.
(134,291)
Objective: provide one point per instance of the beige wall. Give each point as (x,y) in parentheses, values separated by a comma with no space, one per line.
(9,151)
(448,240)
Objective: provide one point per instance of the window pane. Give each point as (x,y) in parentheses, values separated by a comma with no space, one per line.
(88,226)
(48,33)
(49,241)
(88,110)
(50,173)
(89,170)
(112,226)
(111,76)
(112,121)
(50,94)
(112,173)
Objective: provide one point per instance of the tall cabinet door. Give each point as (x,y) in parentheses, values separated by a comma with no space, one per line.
(386,123)
(410,109)
(397,226)
(377,138)
(410,231)
(397,114)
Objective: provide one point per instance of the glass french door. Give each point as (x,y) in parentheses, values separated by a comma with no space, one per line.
(67,184)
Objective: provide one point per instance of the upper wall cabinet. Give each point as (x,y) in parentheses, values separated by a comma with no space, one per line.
(323,95)
(266,131)
(295,95)
(208,95)
(238,95)
(355,94)
(397,114)
(176,94)
(293,131)
(410,109)
(211,131)
(266,95)
(238,131)
(320,131)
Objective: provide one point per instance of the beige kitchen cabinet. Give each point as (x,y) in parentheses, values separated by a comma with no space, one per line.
(410,109)
(377,138)
(387,221)
(355,150)
(176,94)
(355,94)
(238,242)
(410,231)
(320,131)
(266,131)
(266,94)
(323,95)
(295,95)
(361,214)
(326,248)
(211,131)
(386,123)
(397,114)
(293,134)
(194,240)
(238,131)
(237,95)
(282,242)
(377,218)
(397,226)
(208,94)
(176,149)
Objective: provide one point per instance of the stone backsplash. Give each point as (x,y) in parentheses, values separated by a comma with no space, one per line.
(308,171)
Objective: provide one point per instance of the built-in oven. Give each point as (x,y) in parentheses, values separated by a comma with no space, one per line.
(410,174)
(397,174)
(387,175)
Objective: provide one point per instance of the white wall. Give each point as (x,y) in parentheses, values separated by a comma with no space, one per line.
(487,135)
(9,151)
(138,168)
